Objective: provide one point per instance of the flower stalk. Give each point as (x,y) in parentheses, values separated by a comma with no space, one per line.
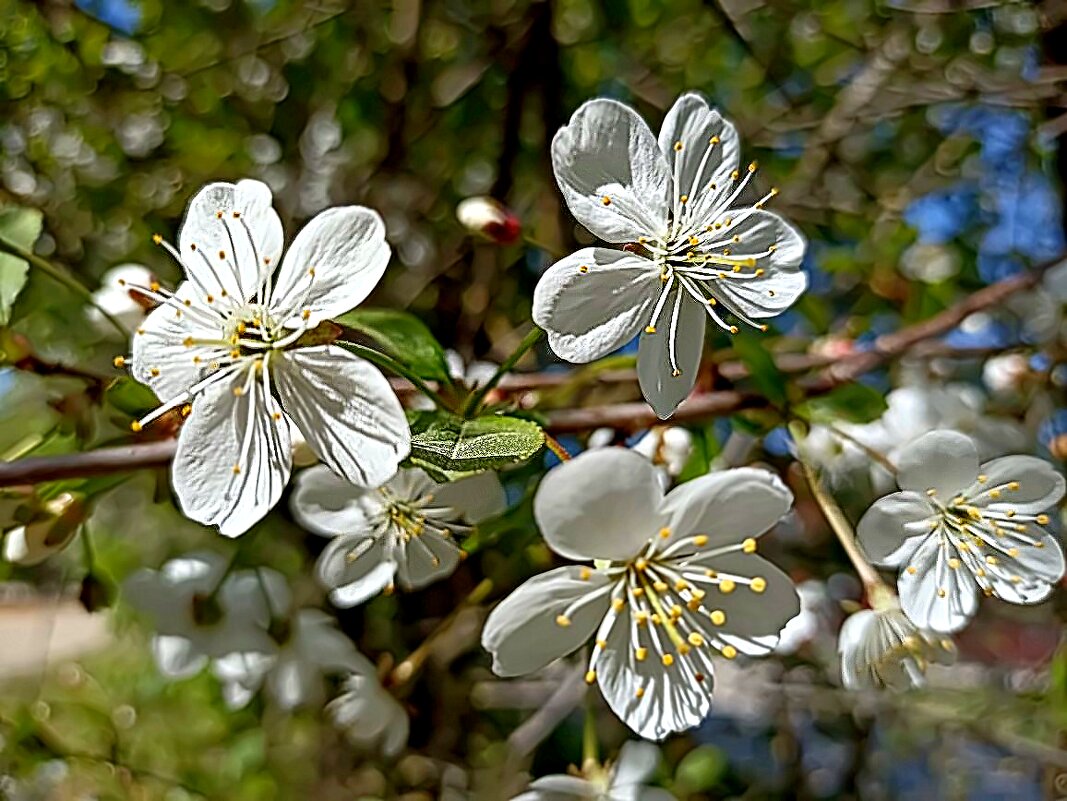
(477,398)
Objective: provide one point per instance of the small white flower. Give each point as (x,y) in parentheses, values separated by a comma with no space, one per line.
(116,297)
(622,781)
(227,341)
(472,375)
(882,648)
(673,579)
(403,531)
(370,718)
(1004,373)
(691,253)
(958,527)
(195,623)
(812,620)
(668,447)
(309,646)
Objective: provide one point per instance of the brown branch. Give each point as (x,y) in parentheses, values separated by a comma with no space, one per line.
(627,416)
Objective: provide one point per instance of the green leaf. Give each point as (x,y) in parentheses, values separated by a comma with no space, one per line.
(852,403)
(20,227)
(764,372)
(701,769)
(449,447)
(131,397)
(404,337)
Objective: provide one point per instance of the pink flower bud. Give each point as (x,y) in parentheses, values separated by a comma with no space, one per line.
(488,217)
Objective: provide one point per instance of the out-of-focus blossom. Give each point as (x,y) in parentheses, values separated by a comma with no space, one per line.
(690,254)
(371,719)
(958,527)
(200,612)
(472,375)
(622,781)
(807,625)
(490,218)
(668,447)
(667,582)
(1004,374)
(117,298)
(401,532)
(49,533)
(930,263)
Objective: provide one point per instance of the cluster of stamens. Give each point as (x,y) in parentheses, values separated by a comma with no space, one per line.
(985,540)
(669,592)
(694,254)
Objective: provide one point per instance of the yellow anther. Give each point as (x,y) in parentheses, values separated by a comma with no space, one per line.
(1016,579)
(982,478)
(277,416)
(726,586)
(135,426)
(954,563)
(583,268)
(585,573)
(994,493)
(236,469)
(759,272)
(1013,552)
(119,361)
(677,146)
(749,545)
(210,298)
(641,654)
(991,560)
(606,200)
(700,540)
(941,593)
(638,592)
(712,302)
(733,329)
(758,584)
(694,241)
(735,175)
(1013,486)
(763,327)
(641,617)
(931,492)
(154,372)
(718,617)
(668,660)
(715,140)
(590,676)
(1042,520)
(683,199)
(238,391)
(980,572)
(683,648)
(681,584)
(618,604)
(187,410)
(601,644)
(660,586)
(912,570)
(640,692)
(157,239)
(306,314)
(222,254)
(752,167)
(710,573)
(640,564)
(563,621)
(729,651)
(676,372)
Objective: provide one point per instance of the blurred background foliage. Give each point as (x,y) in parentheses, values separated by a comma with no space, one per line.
(914,142)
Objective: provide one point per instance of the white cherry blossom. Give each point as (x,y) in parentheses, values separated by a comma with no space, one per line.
(692,252)
(371,719)
(621,781)
(403,532)
(883,648)
(667,581)
(116,298)
(958,529)
(226,346)
(199,612)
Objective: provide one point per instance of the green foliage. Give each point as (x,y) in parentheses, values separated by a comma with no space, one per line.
(852,403)
(20,227)
(753,350)
(131,397)
(447,446)
(402,336)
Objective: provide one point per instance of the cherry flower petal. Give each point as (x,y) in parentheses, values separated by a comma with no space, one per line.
(727,506)
(427,558)
(1027,574)
(888,531)
(600,491)
(524,633)
(331,267)
(233,458)
(475,498)
(943,461)
(1023,484)
(700,162)
(611,172)
(355,568)
(937,596)
(176,657)
(346,410)
(231,238)
(326,504)
(595,301)
(656,369)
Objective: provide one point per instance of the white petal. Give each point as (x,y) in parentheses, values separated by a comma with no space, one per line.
(324,503)
(426,559)
(522,632)
(323,644)
(475,499)
(671,698)
(293,683)
(602,504)
(1039,485)
(346,410)
(250,244)
(727,506)
(331,267)
(355,568)
(233,457)
(782,281)
(935,596)
(176,658)
(944,461)
(637,761)
(607,150)
(32,544)
(887,530)
(700,163)
(655,371)
(589,314)
(1029,576)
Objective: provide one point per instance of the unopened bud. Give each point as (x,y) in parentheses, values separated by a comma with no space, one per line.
(34,542)
(489,218)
